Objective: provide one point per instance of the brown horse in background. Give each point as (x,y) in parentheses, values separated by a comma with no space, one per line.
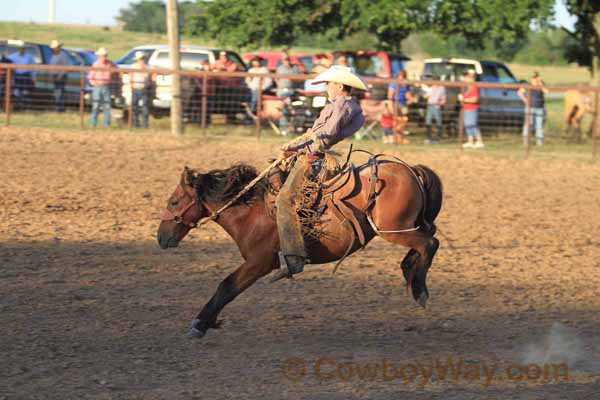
(386,198)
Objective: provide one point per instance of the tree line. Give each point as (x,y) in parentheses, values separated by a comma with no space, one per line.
(497,28)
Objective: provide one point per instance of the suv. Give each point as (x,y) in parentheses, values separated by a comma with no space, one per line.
(43,89)
(191,57)
(497,106)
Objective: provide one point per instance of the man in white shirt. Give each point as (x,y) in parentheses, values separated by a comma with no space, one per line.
(254,82)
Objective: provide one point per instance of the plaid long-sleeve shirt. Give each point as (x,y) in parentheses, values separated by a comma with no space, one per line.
(338,120)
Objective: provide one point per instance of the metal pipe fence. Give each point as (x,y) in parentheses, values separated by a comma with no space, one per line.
(285,104)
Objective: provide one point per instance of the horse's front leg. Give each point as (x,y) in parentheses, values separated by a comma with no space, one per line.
(238,281)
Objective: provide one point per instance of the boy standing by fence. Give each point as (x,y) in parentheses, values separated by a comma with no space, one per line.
(537,107)
(470,102)
(435,101)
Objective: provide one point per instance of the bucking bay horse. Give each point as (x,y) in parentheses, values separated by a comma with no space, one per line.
(383,197)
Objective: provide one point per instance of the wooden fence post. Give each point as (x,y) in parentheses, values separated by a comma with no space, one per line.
(461,120)
(7,95)
(81,95)
(130,116)
(203,102)
(259,107)
(527,124)
(595,126)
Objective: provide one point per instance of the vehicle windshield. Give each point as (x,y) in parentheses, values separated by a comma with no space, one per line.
(188,60)
(307,62)
(497,73)
(368,65)
(447,71)
(129,58)
(88,56)
(8,49)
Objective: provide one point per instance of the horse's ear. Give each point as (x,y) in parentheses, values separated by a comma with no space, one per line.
(190,177)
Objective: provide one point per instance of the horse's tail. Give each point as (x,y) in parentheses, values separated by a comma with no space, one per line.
(433,196)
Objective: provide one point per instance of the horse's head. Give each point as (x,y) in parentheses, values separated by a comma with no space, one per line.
(184,210)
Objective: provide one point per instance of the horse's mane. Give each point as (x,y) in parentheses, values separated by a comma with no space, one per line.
(221,185)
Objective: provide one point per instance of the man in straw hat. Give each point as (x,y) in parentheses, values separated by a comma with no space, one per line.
(339,119)
(100,81)
(59,78)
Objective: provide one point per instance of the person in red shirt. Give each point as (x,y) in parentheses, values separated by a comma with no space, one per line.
(470,102)
(100,80)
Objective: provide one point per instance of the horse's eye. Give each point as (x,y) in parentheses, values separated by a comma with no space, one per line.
(174,202)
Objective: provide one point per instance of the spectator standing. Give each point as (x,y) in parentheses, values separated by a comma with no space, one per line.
(538,111)
(285,90)
(59,78)
(435,101)
(470,102)
(23,77)
(140,85)
(100,82)
(254,82)
(399,94)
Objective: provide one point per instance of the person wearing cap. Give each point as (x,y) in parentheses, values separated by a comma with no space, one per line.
(338,120)
(537,106)
(23,77)
(100,81)
(285,89)
(470,103)
(400,95)
(59,78)
(140,84)
(254,82)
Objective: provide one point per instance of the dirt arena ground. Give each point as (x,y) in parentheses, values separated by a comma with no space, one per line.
(90,307)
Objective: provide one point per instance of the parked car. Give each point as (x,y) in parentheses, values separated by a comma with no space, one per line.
(42,90)
(85,57)
(497,106)
(192,57)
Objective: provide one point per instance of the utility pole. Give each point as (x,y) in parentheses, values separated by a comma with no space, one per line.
(51,11)
(173,36)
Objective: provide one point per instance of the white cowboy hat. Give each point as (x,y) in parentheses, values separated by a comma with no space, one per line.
(340,74)
(139,55)
(101,51)
(55,44)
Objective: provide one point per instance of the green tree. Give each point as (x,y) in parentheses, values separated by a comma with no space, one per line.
(150,16)
(145,16)
(504,25)
(584,48)
(244,23)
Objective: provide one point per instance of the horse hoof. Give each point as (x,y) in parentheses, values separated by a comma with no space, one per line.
(195,332)
(423,300)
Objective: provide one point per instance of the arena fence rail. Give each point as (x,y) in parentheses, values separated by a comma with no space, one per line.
(286,104)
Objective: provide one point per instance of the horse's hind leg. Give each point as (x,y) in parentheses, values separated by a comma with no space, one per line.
(417,261)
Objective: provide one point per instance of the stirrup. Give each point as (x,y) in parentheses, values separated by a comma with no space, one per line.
(285,270)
